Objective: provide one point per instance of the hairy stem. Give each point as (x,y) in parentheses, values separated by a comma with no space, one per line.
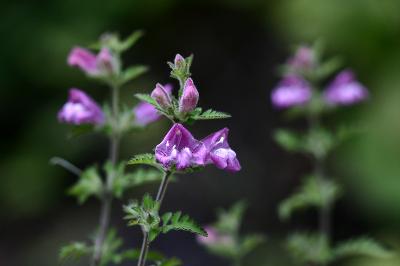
(106,203)
(146,241)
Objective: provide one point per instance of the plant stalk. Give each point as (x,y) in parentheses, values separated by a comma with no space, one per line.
(106,202)
(146,241)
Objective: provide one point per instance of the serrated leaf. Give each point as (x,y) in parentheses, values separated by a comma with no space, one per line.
(89,184)
(144,214)
(135,179)
(146,158)
(133,72)
(184,223)
(74,251)
(360,247)
(309,248)
(313,192)
(210,114)
(147,98)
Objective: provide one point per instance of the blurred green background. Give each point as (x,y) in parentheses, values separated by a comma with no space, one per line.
(237,46)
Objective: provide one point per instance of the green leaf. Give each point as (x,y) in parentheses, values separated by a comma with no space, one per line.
(363,246)
(288,140)
(112,243)
(89,184)
(133,72)
(181,223)
(309,248)
(147,98)
(135,179)
(130,40)
(319,142)
(229,221)
(146,158)
(144,214)
(313,192)
(74,251)
(329,67)
(250,242)
(169,262)
(210,114)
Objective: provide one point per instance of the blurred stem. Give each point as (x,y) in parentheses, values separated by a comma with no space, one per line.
(66,165)
(324,222)
(106,202)
(146,241)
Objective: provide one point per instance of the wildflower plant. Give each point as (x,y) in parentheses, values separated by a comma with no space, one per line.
(300,93)
(224,237)
(115,121)
(178,153)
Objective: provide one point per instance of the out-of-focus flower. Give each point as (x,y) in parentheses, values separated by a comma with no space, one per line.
(162,95)
(214,237)
(180,148)
(189,98)
(146,113)
(80,109)
(291,91)
(219,153)
(303,59)
(345,90)
(102,64)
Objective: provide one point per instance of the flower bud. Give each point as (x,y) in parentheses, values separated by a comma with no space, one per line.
(189,98)
(161,95)
(106,62)
(179,61)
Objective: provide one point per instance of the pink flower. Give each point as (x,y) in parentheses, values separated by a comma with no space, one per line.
(219,153)
(180,148)
(214,238)
(104,63)
(291,91)
(80,109)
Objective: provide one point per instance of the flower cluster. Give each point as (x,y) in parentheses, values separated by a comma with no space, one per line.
(295,90)
(82,109)
(179,148)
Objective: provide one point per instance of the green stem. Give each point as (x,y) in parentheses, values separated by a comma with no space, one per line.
(106,201)
(146,241)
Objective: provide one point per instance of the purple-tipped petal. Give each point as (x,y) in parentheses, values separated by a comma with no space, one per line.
(291,91)
(80,109)
(345,90)
(180,148)
(219,152)
(179,61)
(83,59)
(189,98)
(162,96)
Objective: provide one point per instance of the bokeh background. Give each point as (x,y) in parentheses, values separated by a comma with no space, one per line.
(237,47)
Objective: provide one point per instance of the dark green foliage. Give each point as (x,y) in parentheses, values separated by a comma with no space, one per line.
(89,184)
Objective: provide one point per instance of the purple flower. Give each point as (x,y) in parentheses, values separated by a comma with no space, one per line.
(291,91)
(214,237)
(94,65)
(219,153)
(189,98)
(146,113)
(345,90)
(80,109)
(162,95)
(180,148)
(303,59)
